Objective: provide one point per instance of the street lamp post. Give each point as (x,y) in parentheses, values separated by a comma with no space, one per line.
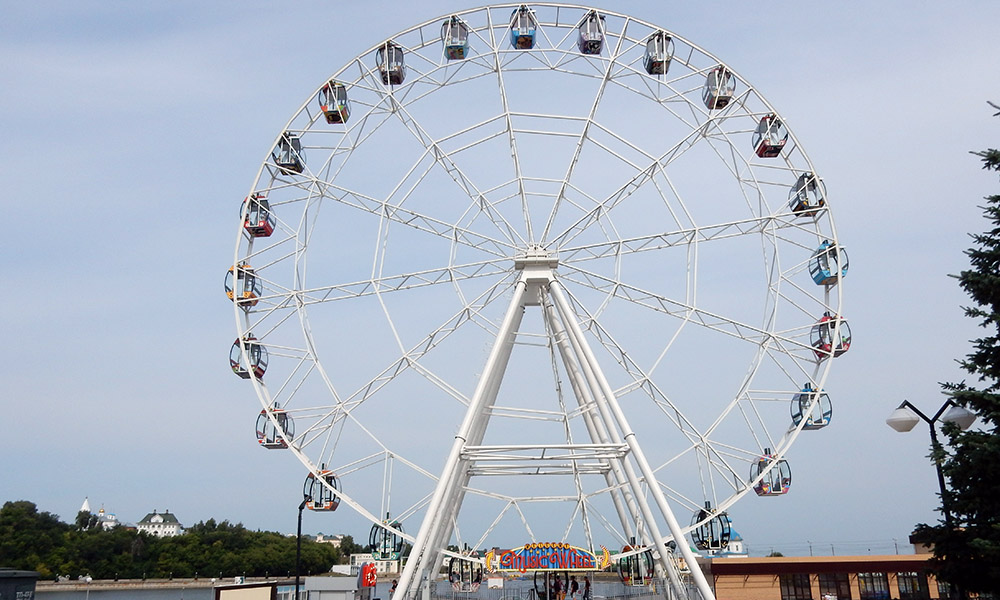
(907,416)
(298,547)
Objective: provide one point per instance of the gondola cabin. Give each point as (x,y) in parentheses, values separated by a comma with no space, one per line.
(384,543)
(710,530)
(455,37)
(391,67)
(465,574)
(659,52)
(813,407)
(831,336)
(244,287)
(770,136)
(523,26)
(591,34)
(719,88)
(256,354)
(807,196)
(317,490)
(334,103)
(775,476)
(828,264)
(636,569)
(275,434)
(287,154)
(258,221)
(551,585)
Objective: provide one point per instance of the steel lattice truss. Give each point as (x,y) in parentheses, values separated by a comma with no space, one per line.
(396,252)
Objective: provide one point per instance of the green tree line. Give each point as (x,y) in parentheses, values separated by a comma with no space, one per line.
(39,541)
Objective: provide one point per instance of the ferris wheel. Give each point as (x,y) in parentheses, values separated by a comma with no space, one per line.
(531,273)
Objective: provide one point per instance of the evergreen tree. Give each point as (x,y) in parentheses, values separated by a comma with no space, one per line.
(967,551)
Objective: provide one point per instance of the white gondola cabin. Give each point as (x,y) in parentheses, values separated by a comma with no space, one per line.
(288,155)
(807,196)
(828,264)
(770,136)
(715,531)
(271,436)
(455,37)
(776,480)
(317,493)
(391,66)
(257,218)
(659,52)
(386,544)
(256,353)
(334,103)
(591,37)
(245,288)
(465,574)
(831,336)
(813,407)
(720,85)
(523,26)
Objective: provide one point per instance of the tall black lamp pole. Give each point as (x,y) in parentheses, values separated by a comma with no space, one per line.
(298,548)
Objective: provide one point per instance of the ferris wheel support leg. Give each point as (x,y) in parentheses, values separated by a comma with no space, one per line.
(595,428)
(594,376)
(447,495)
(635,450)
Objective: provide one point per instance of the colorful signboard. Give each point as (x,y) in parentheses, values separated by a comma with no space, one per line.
(546,556)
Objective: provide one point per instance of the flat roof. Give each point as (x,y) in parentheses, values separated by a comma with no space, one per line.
(773,565)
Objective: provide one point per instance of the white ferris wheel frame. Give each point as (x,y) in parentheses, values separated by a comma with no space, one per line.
(512,251)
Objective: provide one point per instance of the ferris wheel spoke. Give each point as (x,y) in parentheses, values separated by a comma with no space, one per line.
(676,308)
(681,237)
(623,192)
(444,160)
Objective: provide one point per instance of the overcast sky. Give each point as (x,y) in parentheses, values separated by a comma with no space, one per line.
(132,129)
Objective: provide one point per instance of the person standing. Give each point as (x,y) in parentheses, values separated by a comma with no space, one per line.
(586,587)
(574,587)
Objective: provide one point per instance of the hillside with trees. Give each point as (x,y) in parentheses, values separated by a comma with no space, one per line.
(39,541)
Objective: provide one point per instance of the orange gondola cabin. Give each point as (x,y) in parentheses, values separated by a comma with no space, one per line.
(244,287)
(317,493)
(274,434)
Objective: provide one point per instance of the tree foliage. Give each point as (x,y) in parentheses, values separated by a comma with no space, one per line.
(39,541)
(967,550)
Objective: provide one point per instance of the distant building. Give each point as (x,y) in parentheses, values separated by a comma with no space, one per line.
(107,520)
(384,567)
(162,524)
(333,540)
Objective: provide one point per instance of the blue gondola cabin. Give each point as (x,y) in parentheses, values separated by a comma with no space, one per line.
(828,264)
(257,355)
(770,136)
(807,196)
(719,88)
(245,288)
(258,221)
(813,407)
(455,37)
(391,66)
(591,37)
(288,155)
(523,26)
(659,52)
(333,102)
